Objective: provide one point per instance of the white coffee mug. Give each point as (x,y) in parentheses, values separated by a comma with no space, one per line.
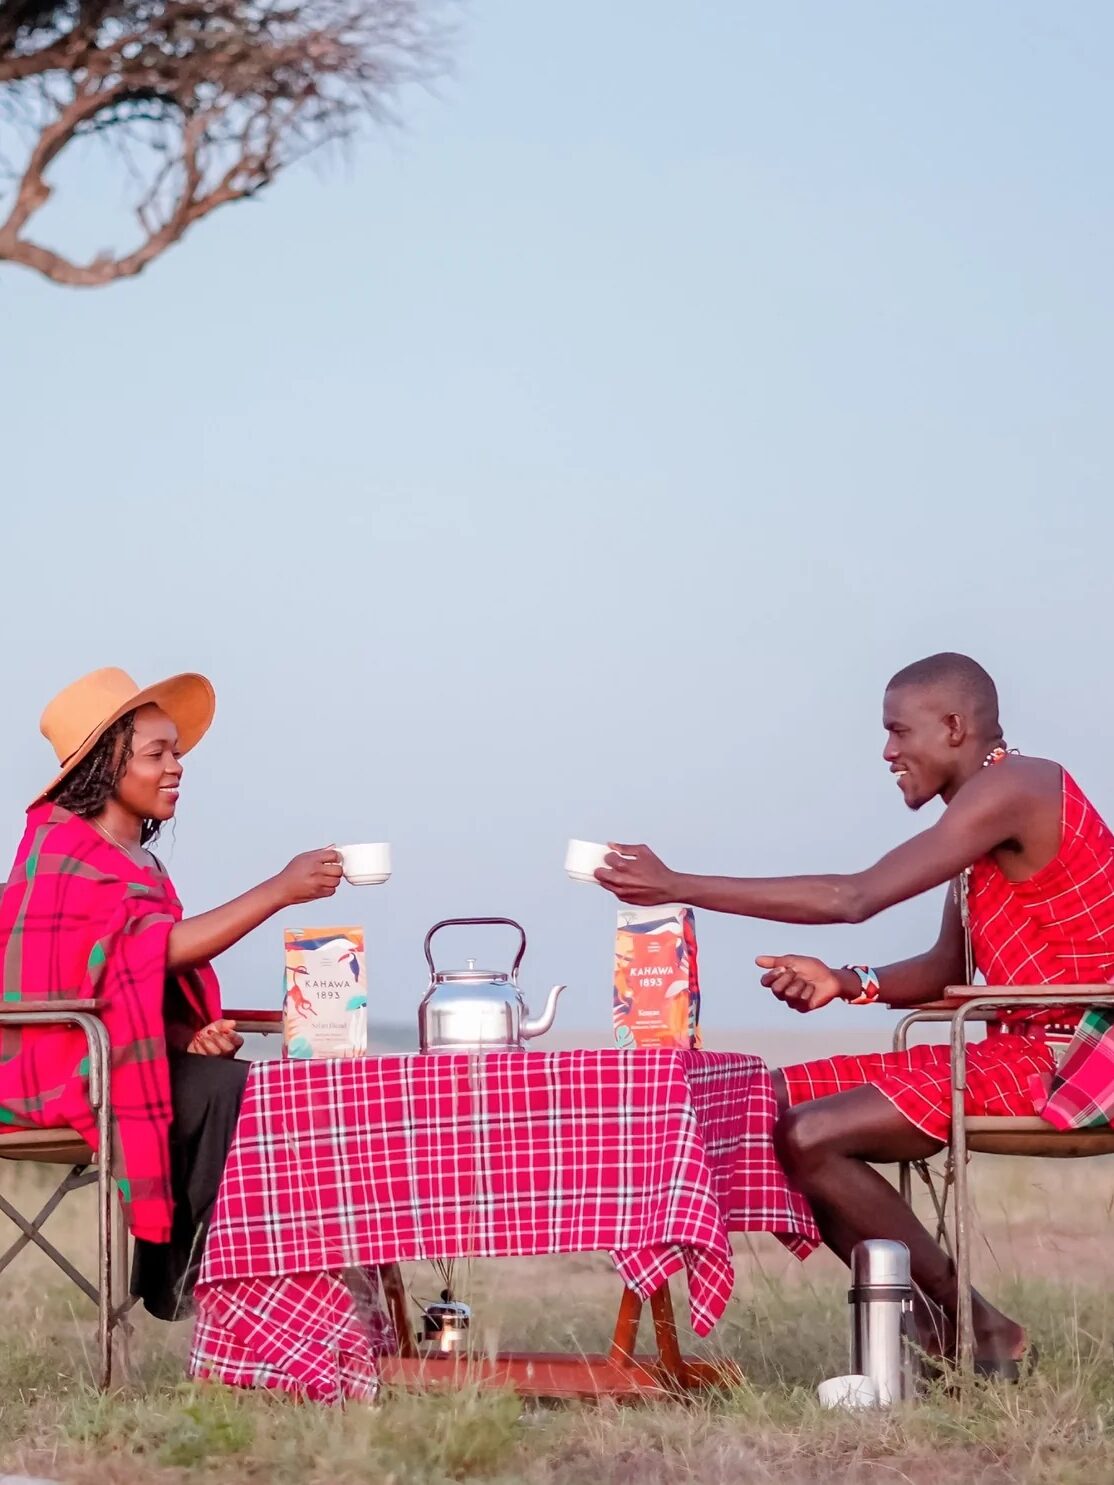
(848,1392)
(367,865)
(583,858)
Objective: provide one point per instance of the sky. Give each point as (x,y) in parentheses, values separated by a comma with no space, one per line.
(581,459)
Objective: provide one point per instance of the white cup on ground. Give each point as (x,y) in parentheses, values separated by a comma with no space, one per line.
(848,1392)
(583,858)
(366,865)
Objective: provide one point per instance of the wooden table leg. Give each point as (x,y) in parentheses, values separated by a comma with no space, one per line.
(395,1291)
(625,1337)
(665,1332)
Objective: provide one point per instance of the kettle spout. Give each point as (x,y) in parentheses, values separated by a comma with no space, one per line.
(545,1020)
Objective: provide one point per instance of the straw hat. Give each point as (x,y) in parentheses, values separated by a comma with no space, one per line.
(78,717)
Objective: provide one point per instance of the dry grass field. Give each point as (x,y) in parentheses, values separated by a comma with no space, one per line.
(1046,1250)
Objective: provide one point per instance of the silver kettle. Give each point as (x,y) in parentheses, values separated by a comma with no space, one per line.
(478,1010)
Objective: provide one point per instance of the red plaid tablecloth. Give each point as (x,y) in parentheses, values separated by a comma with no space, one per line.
(338,1166)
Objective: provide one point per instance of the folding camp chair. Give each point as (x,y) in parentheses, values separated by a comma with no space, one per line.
(989,1136)
(66,1147)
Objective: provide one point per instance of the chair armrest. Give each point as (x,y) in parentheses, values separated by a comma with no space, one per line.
(938,1008)
(18,1008)
(1053,995)
(256,1023)
(934,1011)
(1023,995)
(82,1015)
(978,1006)
(983,1002)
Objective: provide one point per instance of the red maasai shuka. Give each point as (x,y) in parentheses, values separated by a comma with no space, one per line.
(1005,1077)
(79,920)
(1056,928)
(653,1156)
(1064,934)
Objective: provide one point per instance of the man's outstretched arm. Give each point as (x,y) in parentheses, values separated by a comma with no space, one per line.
(988,810)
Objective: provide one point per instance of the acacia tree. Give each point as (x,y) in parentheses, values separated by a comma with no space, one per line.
(203,101)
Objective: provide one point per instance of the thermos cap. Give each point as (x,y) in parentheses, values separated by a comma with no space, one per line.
(879,1262)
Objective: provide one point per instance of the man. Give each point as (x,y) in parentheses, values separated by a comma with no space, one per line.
(1035,864)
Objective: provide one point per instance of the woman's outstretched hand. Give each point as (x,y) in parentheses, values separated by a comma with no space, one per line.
(311,875)
(196,941)
(218,1039)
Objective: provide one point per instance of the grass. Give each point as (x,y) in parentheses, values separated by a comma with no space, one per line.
(1046,1254)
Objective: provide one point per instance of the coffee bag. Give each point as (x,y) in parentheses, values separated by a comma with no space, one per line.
(325,1005)
(656,999)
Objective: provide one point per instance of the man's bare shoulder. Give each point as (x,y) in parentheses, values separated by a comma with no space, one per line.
(1037,780)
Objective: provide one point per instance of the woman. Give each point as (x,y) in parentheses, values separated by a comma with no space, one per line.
(89,912)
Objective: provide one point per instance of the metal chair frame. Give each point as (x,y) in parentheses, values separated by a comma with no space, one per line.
(65,1146)
(992,1136)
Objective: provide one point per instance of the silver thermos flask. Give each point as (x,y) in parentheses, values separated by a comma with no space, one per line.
(881,1300)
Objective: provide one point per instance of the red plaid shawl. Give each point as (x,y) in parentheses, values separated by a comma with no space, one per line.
(80,920)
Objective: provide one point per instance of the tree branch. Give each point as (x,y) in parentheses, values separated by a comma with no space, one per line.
(221,95)
(33,191)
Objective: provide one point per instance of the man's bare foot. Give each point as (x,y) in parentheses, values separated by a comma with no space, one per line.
(998,1339)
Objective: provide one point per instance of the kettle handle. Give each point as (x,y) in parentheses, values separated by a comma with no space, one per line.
(466,922)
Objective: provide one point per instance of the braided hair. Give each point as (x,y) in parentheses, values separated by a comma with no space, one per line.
(87,788)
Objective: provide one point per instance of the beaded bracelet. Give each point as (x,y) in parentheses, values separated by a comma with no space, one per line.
(868,979)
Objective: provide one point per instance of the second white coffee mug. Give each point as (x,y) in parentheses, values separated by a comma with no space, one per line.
(366,865)
(848,1392)
(583,858)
